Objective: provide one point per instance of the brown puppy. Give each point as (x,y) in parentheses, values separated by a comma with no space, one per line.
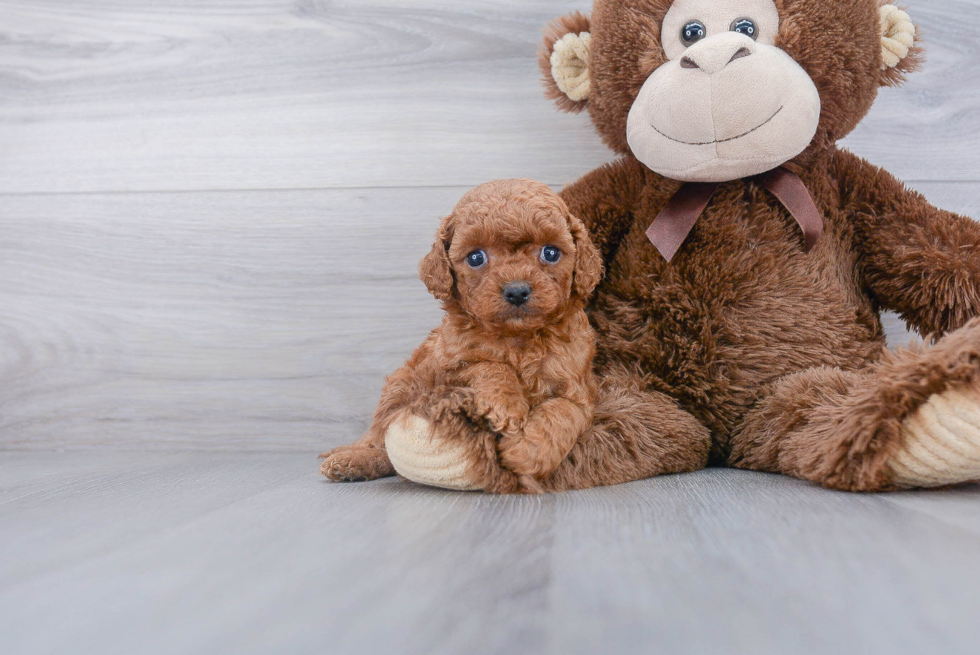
(511,364)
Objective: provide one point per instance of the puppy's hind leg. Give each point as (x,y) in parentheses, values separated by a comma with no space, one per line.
(356,464)
(366,458)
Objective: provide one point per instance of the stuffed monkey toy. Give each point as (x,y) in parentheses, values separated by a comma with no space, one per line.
(747,257)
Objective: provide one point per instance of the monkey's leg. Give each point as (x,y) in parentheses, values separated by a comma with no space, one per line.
(912,420)
(435,442)
(635,434)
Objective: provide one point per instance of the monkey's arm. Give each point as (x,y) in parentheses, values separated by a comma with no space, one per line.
(605,199)
(917,260)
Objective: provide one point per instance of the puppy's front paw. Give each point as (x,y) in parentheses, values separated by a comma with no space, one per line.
(505,422)
(355,464)
(506,414)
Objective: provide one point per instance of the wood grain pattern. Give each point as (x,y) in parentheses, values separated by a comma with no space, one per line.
(223,320)
(210,218)
(125,96)
(231,320)
(252,553)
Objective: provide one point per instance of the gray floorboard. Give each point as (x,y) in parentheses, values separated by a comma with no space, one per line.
(224,552)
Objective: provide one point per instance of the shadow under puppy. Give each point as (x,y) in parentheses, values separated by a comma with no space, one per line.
(509,370)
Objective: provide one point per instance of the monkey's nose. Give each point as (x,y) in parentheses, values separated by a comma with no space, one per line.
(715,53)
(517,293)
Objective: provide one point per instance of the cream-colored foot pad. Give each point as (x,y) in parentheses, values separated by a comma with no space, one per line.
(941,441)
(420,457)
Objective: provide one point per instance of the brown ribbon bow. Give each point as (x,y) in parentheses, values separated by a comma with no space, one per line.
(672,226)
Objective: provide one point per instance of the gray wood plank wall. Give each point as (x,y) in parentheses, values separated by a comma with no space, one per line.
(211,212)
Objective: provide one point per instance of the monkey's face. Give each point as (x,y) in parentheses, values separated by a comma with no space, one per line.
(715,90)
(727,103)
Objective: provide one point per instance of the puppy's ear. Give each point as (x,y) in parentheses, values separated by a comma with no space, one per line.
(588,261)
(434,269)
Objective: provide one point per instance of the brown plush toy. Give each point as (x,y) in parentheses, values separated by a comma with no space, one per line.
(747,257)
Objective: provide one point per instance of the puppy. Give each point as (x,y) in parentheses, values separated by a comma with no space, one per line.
(513,269)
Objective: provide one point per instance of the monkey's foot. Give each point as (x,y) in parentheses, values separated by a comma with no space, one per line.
(941,441)
(420,455)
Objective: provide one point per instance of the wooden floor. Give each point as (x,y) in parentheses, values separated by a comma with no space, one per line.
(210,218)
(251,553)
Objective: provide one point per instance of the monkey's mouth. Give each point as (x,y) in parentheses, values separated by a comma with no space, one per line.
(711,143)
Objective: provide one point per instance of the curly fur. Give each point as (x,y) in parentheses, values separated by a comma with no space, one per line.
(780,355)
(513,382)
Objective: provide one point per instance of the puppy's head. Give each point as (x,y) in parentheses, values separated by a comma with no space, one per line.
(512,256)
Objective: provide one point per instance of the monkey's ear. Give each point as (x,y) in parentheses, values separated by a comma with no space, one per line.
(899,52)
(588,261)
(434,269)
(564,61)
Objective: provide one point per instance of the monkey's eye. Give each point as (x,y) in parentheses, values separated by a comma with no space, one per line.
(693,32)
(550,255)
(745,26)
(476,259)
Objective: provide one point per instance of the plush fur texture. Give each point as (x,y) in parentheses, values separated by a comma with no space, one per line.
(780,354)
(574,23)
(744,350)
(515,380)
(842,428)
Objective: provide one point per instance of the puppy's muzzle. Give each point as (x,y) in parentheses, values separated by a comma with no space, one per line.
(517,293)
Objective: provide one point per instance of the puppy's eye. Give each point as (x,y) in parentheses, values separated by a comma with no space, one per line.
(693,32)
(476,259)
(747,27)
(550,255)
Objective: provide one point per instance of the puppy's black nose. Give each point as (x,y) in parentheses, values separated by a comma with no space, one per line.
(517,293)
